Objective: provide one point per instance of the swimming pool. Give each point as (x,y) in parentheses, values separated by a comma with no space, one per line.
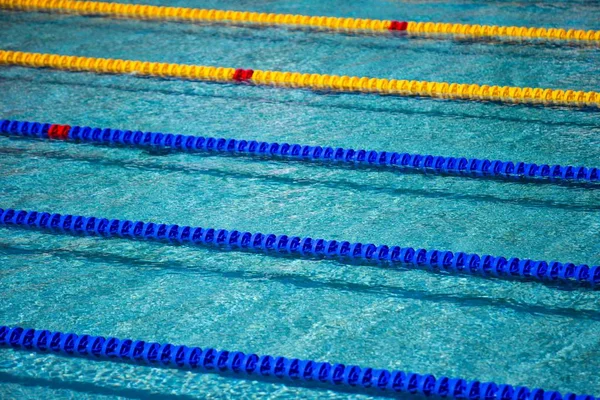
(510,331)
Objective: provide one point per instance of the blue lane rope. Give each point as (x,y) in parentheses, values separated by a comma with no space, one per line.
(334,376)
(307,247)
(416,162)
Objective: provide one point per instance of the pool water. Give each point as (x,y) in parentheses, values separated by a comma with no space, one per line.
(522,333)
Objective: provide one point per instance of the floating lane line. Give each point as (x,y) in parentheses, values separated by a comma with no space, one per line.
(424,163)
(307,247)
(383,86)
(149,12)
(253,366)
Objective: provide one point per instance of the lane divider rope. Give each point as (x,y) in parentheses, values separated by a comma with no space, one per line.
(254,366)
(141,11)
(444,90)
(307,247)
(424,163)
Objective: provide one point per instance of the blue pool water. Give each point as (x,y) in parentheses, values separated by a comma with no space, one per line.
(506,331)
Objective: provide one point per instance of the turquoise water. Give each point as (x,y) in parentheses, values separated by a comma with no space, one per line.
(511,332)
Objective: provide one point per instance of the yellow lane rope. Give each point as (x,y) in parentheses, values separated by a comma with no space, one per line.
(195,14)
(338,83)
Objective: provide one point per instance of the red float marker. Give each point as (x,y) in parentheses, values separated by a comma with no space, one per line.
(247,74)
(398,26)
(242,75)
(237,75)
(59,132)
